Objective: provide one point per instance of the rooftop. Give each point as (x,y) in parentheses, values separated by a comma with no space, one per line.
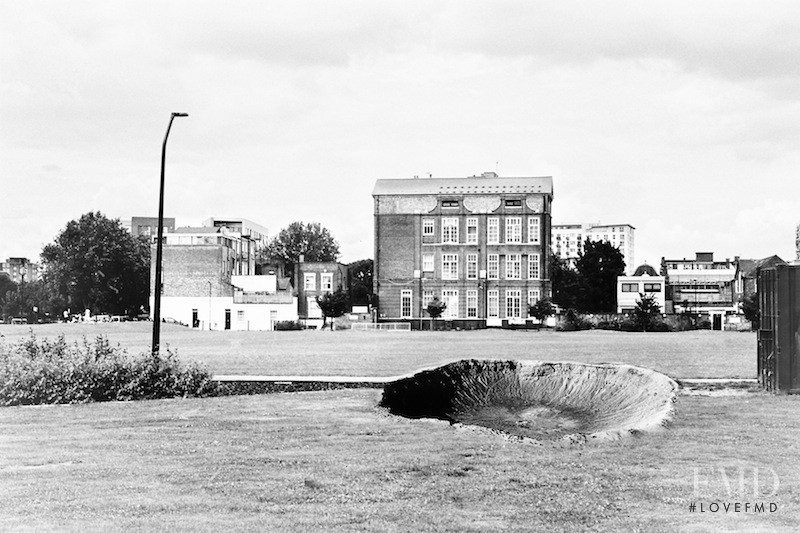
(459,186)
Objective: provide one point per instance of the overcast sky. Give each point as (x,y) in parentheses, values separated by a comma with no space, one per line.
(679,118)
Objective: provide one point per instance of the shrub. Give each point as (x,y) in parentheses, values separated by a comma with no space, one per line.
(574,322)
(288,325)
(49,372)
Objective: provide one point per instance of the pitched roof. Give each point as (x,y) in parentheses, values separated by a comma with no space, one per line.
(459,186)
(749,267)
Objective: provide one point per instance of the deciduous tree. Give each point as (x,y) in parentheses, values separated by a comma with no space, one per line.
(96,264)
(310,240)
(599,265)
(333,305)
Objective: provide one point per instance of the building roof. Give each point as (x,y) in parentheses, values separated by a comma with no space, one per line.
(750,267)
(645,269)
(459,186)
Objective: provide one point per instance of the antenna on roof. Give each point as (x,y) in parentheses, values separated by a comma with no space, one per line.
(496,164)
(430,175)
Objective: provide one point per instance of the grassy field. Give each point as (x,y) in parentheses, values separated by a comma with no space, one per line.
(331,461)
(693,354)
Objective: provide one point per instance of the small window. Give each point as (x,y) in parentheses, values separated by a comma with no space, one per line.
(513,203)
(310,281)
(652,287)
(472,231)
(449,203)
(326,281)
(427,226)
(405,304)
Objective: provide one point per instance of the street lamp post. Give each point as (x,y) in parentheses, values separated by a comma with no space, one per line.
(159,244)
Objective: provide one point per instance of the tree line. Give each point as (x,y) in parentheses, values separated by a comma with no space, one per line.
(95,263)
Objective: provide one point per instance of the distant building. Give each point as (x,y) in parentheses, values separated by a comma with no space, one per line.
(209,282)
(479,244)
(701,286)
(644,281)
(148,226)
(20,269)
(568,239)
(746,277)
(316,279)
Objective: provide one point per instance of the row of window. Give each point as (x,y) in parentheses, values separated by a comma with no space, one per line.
(512,233)
(456,203)
(325,281)
(512,264)
(513,303)
(634,287)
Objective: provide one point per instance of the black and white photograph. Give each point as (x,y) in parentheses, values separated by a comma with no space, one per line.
(401,266)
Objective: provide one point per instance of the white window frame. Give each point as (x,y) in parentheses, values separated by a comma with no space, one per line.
(449,230)
(513,266)
(472,303)
(450,266)
(427,262)
(427,227)
(534,295)
(326,281)
(427,297)
(493,266)
(450,297)
(472,266)
(534,230)
(534,267)
(493,303)
(513,303)
(493,230)
(472,230)
(406,303)
(513,230)
(310,281)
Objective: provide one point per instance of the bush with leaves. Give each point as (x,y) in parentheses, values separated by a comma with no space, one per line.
(37,371)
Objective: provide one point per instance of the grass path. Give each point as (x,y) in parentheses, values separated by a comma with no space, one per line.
(696,354)
(331,461)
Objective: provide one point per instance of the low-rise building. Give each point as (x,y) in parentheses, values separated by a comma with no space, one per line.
(701,286)
(313,280)
(644,281)
(208,282)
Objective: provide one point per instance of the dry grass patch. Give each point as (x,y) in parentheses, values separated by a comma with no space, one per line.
(332,461)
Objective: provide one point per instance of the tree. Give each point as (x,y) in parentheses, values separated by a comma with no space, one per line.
(566,283)
(310,240)
(647,313)
(96,264)
(599,265)
(360,273)
(541,309)
(751,310)
(35,300)
(7,287)
(436,308)
(333,305)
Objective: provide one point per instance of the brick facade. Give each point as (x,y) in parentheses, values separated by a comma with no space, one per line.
(481,244)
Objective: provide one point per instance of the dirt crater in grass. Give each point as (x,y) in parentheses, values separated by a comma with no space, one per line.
(538,401)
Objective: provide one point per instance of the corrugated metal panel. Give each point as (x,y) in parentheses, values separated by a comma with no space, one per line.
(779,331)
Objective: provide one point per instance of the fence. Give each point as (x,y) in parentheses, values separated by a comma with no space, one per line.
(380,326)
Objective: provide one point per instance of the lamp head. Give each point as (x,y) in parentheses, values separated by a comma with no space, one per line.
(180,114)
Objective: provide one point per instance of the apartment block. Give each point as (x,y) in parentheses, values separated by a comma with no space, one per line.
(20,269)
(568,240)
(480,244)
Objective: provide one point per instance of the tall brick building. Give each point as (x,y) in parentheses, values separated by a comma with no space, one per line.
(480,244)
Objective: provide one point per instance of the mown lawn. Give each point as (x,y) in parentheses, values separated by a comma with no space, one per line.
(695,354)
(332,461)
